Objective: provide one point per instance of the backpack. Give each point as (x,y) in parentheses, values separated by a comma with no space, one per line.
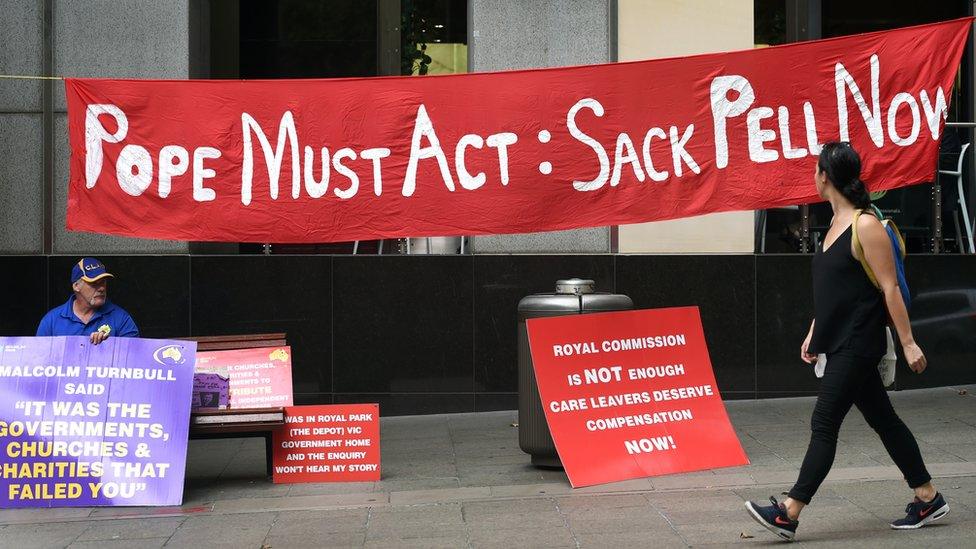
(897,248)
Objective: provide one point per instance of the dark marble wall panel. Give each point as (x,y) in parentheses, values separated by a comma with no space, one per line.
(784,309)
(943,319)
(723,287)
(400,404)
(739,395)
(306,399)
(493,402)
(262,294)
(25,302)
(500,281)
(438,334)
(155,290)
(403,324)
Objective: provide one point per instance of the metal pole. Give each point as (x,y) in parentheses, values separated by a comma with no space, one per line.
(804,22)
(805,246)
(937,216)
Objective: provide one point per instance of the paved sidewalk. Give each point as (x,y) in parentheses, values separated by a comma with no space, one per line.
(461,481)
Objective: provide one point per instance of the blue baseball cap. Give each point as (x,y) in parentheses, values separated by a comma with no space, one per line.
(89,269)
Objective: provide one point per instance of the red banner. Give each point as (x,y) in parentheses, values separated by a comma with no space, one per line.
(259,377)
(508,152)
(328,443)
(631,394)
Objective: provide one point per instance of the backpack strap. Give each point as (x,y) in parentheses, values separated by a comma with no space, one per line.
(859,251)
(893,229)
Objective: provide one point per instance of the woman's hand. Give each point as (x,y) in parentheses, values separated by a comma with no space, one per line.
(916,360)
(804,355)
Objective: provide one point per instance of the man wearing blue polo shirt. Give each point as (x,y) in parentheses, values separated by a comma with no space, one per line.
(88,311)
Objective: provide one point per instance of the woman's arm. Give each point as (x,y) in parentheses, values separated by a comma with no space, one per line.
(879,255)
(804,355)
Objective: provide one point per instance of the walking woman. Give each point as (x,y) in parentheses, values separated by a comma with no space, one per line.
(850,315)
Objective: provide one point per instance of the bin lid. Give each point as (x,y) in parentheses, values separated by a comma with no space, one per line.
(606,302)
(575,286)
(536,303)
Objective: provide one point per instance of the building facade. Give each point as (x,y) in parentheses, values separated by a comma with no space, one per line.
(427,333)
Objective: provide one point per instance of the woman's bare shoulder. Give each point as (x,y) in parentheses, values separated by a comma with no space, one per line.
(868,222)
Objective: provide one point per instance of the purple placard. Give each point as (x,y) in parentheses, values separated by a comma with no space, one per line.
(84,425)
(210,391)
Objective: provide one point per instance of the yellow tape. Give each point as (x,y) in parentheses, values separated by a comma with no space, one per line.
(24,77)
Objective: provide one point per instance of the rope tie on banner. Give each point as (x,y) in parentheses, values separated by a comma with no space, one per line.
(25,77)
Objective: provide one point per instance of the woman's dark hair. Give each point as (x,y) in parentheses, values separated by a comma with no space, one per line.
(842,165)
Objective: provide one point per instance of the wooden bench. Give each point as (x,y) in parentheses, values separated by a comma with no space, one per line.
(243,422)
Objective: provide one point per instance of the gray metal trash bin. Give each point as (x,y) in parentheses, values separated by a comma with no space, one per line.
(573,296)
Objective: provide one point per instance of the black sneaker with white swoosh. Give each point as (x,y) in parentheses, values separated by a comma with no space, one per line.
(921,513)
(774,518)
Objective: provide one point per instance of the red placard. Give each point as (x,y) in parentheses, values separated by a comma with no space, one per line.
(328,443)
(631,394)
(507,152)
(259,377)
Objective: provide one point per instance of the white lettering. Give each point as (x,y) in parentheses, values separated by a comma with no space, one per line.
(343,170)
(872,116)
(758,136)
(501,141)
(376,155)
(813,142)
(899,100)
(784,136)
(201,193)
(465,178)
(933,115)
(619,159)
(646,150)
(678,151)
(316,189)
(169,169)
(723,109)
(95,133)
(601,154)
(423,127)
(273,160)
(134,158)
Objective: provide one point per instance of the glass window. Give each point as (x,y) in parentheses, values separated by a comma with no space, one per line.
(433,38)
(335,39)
(769,19)
(308,39)
(911,208)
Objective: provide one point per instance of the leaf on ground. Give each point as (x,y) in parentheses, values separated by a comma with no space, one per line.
(744,535)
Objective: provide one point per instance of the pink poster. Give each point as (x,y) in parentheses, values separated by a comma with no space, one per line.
(259,378)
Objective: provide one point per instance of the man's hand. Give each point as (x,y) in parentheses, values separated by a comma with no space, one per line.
(98,337)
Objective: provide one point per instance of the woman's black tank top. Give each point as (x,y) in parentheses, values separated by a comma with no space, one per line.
(849,311)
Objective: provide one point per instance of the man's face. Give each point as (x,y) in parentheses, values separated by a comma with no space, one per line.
(92,293)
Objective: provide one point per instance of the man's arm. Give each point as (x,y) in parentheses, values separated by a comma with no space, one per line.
(128,327)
